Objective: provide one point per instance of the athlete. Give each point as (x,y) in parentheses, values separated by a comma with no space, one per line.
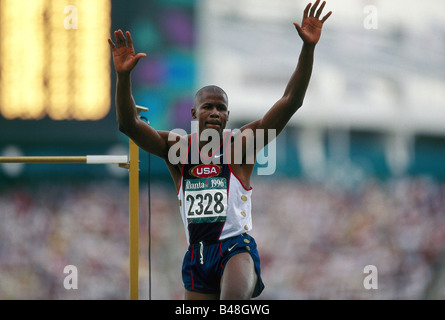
(214,191)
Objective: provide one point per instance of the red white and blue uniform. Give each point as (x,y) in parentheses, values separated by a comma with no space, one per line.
(214,204)
(216,211)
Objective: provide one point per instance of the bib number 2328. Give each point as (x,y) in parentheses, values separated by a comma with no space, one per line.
(207,201)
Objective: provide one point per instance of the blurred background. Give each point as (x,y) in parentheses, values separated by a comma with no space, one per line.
(360,176)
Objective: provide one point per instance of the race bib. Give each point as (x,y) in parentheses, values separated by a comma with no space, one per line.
(205,200)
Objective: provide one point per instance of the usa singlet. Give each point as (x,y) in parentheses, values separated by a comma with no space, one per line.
(213,203)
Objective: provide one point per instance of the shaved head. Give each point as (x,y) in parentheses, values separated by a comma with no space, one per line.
(210,108)
(208,89)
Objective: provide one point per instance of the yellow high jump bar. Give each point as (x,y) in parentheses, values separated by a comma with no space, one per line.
(122,161)
(132,164)
(67,159)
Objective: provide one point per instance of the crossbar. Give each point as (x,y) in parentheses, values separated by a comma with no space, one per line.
(100,159)
(132,165)
(124,162)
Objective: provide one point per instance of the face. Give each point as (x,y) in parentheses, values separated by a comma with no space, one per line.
(211,111)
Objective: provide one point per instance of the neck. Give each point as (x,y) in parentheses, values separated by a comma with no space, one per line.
(210,142)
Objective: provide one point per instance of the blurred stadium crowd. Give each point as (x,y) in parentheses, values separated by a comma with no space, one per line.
(314,240)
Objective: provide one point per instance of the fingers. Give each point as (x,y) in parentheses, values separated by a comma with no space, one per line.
(130,40)
(320,10)
(140,55)
(314,8)
(326,16)
(311,11)
(120,38)
(306,11)
(111,43)
(297,26)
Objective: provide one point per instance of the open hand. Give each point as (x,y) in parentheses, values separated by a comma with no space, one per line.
(310,29)
(124,57)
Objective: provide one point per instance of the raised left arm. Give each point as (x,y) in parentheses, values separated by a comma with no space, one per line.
(282,111)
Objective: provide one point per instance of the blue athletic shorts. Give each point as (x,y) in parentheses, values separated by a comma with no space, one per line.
(204,263)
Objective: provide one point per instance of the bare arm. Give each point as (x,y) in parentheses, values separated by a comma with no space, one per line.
(281,112)
(125,59)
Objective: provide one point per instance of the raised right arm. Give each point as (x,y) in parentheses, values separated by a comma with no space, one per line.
(125,59)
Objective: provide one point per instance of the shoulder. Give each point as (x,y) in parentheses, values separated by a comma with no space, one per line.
(175,137)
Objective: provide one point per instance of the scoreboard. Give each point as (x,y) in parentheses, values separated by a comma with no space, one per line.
(54,61)
(57,79)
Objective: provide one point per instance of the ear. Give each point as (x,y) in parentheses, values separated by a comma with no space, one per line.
(194,115)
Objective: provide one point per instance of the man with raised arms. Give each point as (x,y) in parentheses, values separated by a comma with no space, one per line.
(222,261)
